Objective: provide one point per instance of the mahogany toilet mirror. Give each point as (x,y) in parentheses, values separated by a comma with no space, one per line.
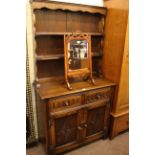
(78,62)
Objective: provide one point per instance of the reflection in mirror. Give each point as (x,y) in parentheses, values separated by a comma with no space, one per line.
(78,54)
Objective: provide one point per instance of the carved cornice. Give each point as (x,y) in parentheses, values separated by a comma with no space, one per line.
(69,6)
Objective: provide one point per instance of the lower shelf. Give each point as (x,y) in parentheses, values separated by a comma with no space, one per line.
(60,56)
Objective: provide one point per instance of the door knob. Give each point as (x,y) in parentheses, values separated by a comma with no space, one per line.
(79,128)
(85,125)
(66,103)
(98,96)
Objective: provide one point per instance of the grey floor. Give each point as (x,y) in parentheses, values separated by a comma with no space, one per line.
(117,146)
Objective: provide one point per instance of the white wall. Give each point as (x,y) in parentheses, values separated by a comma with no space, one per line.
(86,2)
(29,30)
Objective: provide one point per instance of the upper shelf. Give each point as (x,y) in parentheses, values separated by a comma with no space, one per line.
(60,56)
(49,57)
(63,33)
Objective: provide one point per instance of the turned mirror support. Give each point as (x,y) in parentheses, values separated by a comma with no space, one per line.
(78,60)
(92,80)
(68,85)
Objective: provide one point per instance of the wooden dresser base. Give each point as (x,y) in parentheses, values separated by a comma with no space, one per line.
(119,123)
(75,118)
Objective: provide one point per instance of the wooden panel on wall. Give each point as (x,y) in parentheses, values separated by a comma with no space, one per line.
(96,67)
(115,30)
(45,18)
(77,22)
(50,68)
(123,91)
(96,43)
(49,45)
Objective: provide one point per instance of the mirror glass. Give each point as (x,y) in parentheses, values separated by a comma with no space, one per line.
(78,54)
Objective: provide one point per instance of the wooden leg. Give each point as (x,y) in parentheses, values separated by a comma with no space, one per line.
(113,134)
(92,80)
(51,151)
(105,135)
(68,85)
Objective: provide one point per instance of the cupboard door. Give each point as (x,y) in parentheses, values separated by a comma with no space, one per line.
(95,120)
(98,120)
(66,129)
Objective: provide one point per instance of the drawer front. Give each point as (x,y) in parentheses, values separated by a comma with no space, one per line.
(65,102)
(122,123)
(99,95)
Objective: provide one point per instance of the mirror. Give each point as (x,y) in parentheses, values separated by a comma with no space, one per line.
(78,54)
(77,57)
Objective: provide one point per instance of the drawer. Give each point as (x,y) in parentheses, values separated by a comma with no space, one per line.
(122,123)
(99,95)
(65,102)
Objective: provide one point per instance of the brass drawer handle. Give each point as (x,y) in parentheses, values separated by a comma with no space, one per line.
(98,96)
(79,128)
(106,95)
(66,103)
(85,125)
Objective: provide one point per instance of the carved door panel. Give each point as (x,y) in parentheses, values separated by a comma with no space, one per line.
(98,120)
(66,129)
(95,121)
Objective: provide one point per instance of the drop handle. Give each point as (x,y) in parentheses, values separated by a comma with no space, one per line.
(66,103)
(98,96)
(79,128)
(106,95)
(85,125)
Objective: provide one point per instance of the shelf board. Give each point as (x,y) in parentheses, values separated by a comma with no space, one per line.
(60,56)
(49,57)
(63,33)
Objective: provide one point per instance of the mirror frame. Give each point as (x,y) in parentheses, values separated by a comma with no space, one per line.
(77,72)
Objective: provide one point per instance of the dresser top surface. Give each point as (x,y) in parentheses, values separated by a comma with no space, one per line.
(48,90)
